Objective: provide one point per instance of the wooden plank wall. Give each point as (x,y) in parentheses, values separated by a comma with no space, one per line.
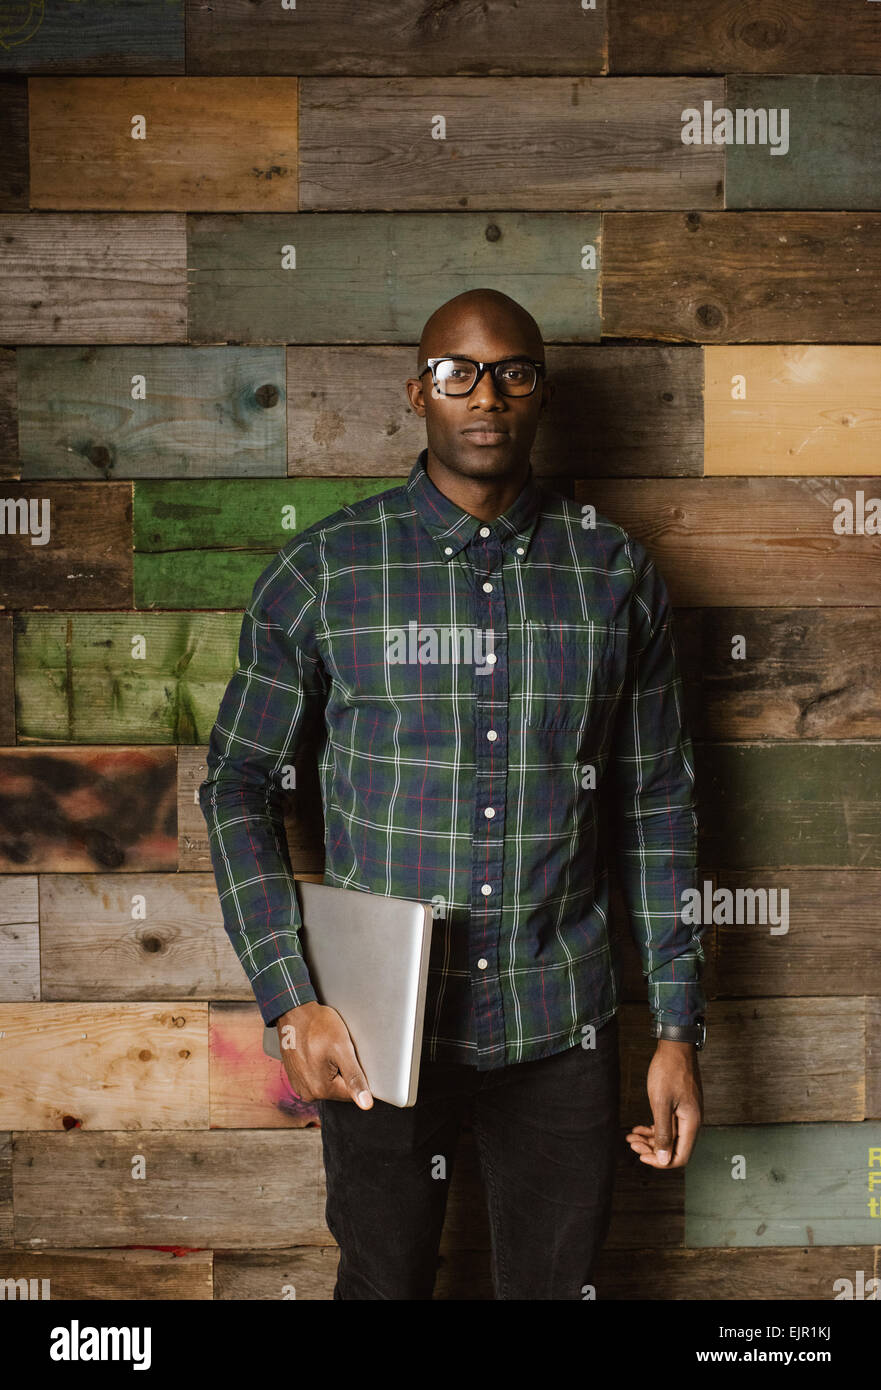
(222,228)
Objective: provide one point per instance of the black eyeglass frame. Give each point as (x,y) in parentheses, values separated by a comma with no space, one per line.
(431,363)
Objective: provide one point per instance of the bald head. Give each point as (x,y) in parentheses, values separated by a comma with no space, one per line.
(455,326)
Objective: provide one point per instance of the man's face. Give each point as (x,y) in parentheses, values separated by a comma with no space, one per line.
(486,434)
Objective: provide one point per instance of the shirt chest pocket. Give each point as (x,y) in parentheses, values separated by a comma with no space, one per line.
(570,674)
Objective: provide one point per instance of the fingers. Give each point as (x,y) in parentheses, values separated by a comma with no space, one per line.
(689,1122)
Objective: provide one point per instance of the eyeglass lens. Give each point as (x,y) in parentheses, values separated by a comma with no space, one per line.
(455,376)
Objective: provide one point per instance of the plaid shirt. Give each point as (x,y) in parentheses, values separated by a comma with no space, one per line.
(491,705)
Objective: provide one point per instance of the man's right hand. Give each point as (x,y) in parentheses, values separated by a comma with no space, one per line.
(321,1064)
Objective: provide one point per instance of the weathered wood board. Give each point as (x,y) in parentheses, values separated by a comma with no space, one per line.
(756,673)
(97,277)
(13,141)
(111,1275)
(819,936)
(790,805)
(362,277)
(164,144)
(9,467)
(135,937)
(125,36)
(732,277)
(122,677)
(86,810)
(396,36)
(818,1072)
(792,410)
(149,412)
(204,545)
(800,1185)
(248,1089)
(257,1189)
(616,411)
(807,1273)
(66,547)
(6,1233)
(748,542)
(742,36)
(7,681)
(427,144)
(19,938)
(830,156)
(104,1066)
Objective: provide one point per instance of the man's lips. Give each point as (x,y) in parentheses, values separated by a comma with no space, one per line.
(485,434)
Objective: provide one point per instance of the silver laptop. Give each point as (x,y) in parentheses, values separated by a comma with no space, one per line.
(367,956)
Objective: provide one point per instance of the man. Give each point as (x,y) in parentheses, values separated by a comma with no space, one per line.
(488,785)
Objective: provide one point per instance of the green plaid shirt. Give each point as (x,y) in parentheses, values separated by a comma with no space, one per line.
(493,707)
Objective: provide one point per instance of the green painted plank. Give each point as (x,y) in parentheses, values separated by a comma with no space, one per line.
(804,1184)
(833,159)
(376,277)
(790,805)
(204,545)
(141,678)
(205,412)
(119,36)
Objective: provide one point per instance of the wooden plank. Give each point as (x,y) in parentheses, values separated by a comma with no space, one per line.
(830,158)
(633,411)
(335,38)
(122,677)
(719,1274)
(825,930)
(873,1059)
(792,409)
(258,1189)
(707,277)
(19,939)
(66,546)
(13,142)
(302,1273)
(805,672)
(104,1066)
(817,1046)
(93,278)
(205,143)
(5,1190)
(790,805)
(754,542)
(9,466)
(585,142)
(204,545)
(362,277)
(82,810)
(146,1275)
(303,816)
(127,36)
(248,1089)
(7,681)
(802,1184)
(191,413)
(742,36)
(135,936)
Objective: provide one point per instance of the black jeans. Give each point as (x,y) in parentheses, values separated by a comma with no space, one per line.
(547,1138)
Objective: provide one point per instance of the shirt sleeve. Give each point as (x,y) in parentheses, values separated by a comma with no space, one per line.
(654,815)
(274,701)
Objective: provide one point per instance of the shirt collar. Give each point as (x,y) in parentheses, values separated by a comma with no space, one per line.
(452,528)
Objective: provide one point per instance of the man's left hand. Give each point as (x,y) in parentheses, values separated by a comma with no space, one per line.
(676,1098)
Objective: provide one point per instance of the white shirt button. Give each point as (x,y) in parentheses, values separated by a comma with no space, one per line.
(489,812)
(486,889)
(487,588)
(491,658)
(520,550)
(482,963)
(491,735)
(484,530)
(448,550)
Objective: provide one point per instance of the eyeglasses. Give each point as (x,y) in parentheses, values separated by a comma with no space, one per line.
(458,376)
